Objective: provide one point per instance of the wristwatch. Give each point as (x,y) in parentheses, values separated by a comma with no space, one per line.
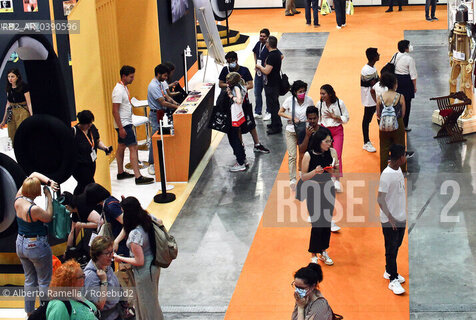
(103,283)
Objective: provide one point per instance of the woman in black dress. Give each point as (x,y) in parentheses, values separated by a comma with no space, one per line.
(318,165)
(86,136)
(18,106)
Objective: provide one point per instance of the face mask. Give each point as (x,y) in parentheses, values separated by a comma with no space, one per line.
(232,65)
(410,48)
(301,96)
(301,292)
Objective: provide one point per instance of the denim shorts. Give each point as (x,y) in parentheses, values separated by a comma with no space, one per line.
(130,138)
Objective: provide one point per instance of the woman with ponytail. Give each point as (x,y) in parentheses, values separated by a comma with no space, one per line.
(309,302)
(299,101)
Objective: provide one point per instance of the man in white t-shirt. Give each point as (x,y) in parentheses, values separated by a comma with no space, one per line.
(122,113)
(368,78)
(392,203)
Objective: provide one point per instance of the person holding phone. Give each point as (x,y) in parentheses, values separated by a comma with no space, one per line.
(319,163)
(310,304)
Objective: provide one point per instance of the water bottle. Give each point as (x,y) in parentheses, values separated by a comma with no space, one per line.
(172,131)
(9,144)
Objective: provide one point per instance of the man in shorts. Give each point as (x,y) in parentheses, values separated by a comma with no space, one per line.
(122,113)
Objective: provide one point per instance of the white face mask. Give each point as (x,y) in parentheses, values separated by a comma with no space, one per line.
(410,48)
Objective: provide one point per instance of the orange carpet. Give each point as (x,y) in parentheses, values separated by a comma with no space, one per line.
(354,285)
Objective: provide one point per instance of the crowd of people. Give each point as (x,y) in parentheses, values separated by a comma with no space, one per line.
(314,136)
(131,243)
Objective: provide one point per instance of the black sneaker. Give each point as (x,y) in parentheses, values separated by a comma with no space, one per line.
(261,148)
(409,154)
(144,180)
(434,19)
(407,129)
(389,10)
(429,19)
(274,131)
(124,175)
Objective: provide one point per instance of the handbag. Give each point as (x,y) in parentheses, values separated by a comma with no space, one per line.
(284,85)
(237,114)
(77,252)
(390,66)
(349,7)
(300,127)
(105,229)
(325,8)
(220,119)
(60,225)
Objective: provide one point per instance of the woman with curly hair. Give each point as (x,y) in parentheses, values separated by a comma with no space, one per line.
(66,287)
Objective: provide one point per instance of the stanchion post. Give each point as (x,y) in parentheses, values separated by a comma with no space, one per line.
(164,197)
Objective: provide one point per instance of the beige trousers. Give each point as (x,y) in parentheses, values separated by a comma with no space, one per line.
(290,6)
(18,115)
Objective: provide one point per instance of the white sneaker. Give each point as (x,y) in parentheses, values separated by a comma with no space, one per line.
(396,287)
(324,257)
(338,186)
(267,116)
(334,227)
(343,25)
(238,167)
(314,260)
(151,170)
(258,116)
(369,147)
(292,184)
(386,275)
(338,27)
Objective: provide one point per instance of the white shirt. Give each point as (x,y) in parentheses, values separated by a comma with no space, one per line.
(334,108)
(299,110)
(165,85)
(120,95)
(368,73)
(393,184)
(379,90)
(404,64)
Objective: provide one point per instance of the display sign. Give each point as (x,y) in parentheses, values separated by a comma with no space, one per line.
(30,6)
(6,5)
(68,6)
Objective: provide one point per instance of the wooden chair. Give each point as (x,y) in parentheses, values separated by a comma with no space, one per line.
(450,112)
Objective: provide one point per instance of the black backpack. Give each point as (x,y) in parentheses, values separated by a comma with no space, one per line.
(40,313)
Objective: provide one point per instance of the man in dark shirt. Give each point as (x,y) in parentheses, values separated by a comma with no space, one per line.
(260,53)
(233,66)
(271,79)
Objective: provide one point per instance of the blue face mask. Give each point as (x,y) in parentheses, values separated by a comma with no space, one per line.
(232,65)
(301,292)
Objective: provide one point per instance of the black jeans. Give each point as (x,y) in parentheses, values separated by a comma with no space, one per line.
(307,7)
(408,107)
(393,241)
(429,3)
(339,6)
(272,104)
(84,174)
(236,145)
(368,114)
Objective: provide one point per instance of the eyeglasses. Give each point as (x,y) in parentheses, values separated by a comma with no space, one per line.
(328,141)
(107,253)
(293,284)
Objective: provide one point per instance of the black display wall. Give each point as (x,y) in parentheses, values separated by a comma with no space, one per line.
(174,37)
(59,75)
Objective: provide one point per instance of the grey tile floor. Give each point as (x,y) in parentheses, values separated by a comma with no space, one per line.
(441,254)
(217,224)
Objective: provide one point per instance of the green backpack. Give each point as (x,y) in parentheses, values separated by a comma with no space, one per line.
(60,226)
